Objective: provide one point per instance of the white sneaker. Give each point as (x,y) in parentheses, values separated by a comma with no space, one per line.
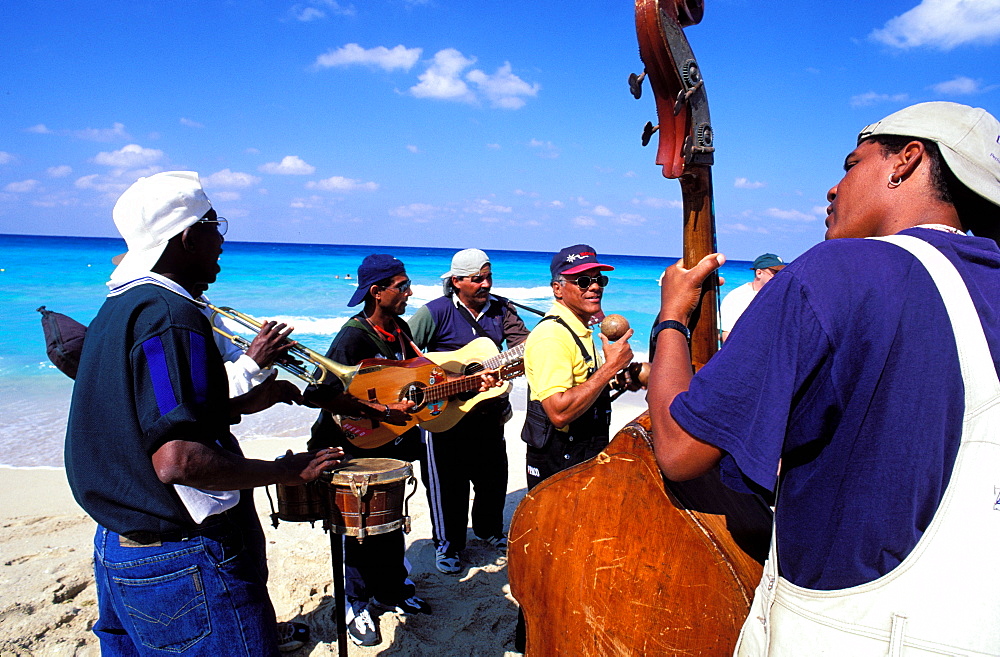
(362,629)
(447,564)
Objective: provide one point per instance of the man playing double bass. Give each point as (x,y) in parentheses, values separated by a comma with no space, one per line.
(879,398)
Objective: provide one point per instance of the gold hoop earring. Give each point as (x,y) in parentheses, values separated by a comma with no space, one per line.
(893,184)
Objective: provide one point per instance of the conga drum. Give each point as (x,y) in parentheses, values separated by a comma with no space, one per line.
(366,497)
(305,503)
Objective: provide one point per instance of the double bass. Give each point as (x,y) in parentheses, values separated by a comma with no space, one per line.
(608,558)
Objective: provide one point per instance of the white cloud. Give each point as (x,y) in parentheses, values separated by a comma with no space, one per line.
(484,206)
(503,88)
(872,98)
(290,165)
(631,219)
(226,196)
(352,54)
(414,210)
(227,178)
(602,211)
(318,10)
(493,147)
(658,203)
(584,221)
(789,215)
(21,187)
(943,24)
(441,80)
(132,155)
(341,184)
(544,149)
(60,171)
(6,158)
(114,184)
(39,129)
(191,124)
(412,148)
(742,228)
(116,131)
(746,183)
(959,86)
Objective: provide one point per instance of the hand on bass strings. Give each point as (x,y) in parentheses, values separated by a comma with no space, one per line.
(266,394)
(680,289)
(271,344)
(298,469)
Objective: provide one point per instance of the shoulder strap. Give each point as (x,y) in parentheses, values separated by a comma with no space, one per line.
(586,354)
(981,384)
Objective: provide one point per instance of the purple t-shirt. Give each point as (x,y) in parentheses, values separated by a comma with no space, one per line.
(845,369)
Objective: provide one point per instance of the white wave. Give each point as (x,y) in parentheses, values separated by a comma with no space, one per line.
(302,325)
(525,293)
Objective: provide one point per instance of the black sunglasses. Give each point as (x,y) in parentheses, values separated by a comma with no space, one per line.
(586,281)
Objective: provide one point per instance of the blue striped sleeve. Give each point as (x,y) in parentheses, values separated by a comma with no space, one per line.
(199,371)
(159,374)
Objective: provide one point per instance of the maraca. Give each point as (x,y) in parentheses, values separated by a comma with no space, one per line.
(614,326)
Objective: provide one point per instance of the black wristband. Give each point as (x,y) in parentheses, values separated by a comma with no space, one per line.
(669,324)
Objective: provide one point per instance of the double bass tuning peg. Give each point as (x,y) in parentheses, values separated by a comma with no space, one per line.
(648,131)
(635,84)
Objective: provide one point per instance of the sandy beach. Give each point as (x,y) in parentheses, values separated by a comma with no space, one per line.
(48,600)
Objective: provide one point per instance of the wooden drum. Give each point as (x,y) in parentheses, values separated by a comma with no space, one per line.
(368,496)
(305,503)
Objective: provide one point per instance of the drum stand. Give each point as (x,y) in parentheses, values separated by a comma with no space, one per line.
(337,559)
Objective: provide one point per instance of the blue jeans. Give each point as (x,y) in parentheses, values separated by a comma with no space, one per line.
(204,595)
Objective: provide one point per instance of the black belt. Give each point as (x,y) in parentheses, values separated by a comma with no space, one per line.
(214,522)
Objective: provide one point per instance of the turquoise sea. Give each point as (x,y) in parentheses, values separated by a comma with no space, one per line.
(305,285)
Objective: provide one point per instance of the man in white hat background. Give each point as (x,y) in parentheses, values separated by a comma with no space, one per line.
(179,553)
(473,452)
(878,394)
(764,267)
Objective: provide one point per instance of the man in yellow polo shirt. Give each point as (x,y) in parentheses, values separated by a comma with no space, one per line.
(569,405)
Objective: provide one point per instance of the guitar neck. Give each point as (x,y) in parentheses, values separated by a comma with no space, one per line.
(470,382)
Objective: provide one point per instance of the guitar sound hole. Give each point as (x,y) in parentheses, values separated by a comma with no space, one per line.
(473,368)
(415,393)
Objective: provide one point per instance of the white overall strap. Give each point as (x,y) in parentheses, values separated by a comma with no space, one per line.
(974,357)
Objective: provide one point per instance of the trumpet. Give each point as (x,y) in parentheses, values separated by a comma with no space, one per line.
(324,365)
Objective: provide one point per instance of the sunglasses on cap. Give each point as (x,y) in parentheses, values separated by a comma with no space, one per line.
(586,281)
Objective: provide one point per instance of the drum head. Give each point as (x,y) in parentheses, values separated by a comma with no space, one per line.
(377,470)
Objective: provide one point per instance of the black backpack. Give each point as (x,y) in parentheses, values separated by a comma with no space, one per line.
(63,340)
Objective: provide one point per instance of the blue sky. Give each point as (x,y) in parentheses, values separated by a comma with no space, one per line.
(443,123)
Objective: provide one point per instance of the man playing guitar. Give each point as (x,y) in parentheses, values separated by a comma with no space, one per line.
(473,451)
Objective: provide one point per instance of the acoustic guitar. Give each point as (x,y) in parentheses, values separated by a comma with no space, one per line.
(433,383)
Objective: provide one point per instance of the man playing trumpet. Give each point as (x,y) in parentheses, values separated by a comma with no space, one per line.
(151,410)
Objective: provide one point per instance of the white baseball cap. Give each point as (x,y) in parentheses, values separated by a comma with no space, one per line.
(153,210)
(467,262)
(968,137)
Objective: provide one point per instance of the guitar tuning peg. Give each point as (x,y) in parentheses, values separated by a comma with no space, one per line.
(648,131)
(635,84)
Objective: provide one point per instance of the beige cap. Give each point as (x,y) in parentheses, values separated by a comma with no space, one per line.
(969,139)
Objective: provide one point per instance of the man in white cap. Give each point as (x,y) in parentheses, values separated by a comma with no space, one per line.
(878,395)
(764,268)
(179,554)
(473,451)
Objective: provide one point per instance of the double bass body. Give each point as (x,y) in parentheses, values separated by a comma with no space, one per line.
(607,558)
